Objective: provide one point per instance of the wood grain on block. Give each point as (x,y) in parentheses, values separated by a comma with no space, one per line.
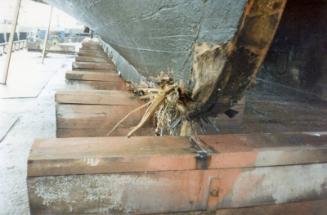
(94,70)
(98,97)
(91,47)
(92,65)
(100,132)
(174,191)
(70,116)
(93,76)
(94,113)
(91,53)
(91,59)
(173,153)
(95,85)
(240,171)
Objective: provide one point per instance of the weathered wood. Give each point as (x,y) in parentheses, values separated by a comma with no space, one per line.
(318,207)
(175,191)
(95,85)
(176,153)
(94,70)
(91,53)
(94,113)
(94,76)
(241,171)
(221,74)
(91,59)
(91,47)
(96,97)
(94,116)
(92,65)
(99,131)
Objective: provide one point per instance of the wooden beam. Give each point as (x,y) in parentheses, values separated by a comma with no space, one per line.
(94,76)
(92,65)
(90,113)
(248,150)
(91,53)
(95,85)
(91,59)
(169,174)
(96,97)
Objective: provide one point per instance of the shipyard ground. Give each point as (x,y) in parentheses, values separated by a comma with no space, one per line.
(29,113)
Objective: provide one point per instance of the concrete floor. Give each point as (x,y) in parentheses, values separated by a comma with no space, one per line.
(36,119)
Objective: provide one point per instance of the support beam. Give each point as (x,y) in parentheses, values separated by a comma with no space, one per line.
(89,113)
(11,42)
(46,36)
(92,65)
(147,175)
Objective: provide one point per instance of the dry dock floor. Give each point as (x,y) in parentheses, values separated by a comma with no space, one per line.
(27,112)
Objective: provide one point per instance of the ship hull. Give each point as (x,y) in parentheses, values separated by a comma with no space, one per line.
(212,48)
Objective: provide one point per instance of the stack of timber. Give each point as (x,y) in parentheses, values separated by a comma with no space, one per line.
(148,175)
(92,69)
(102,101)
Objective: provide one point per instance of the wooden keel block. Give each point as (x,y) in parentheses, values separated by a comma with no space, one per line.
(91,59)
(91,47)
(94,76)
(95,112)
(96,97)
(92,53)
(92,65)
(147,175)
(94,79)
(93,70)
(95,85)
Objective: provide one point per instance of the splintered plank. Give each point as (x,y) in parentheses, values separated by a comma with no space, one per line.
(91,59)
(167,171)
(92,65)
(93,76)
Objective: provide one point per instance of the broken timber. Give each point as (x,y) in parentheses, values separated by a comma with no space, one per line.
(147,175)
